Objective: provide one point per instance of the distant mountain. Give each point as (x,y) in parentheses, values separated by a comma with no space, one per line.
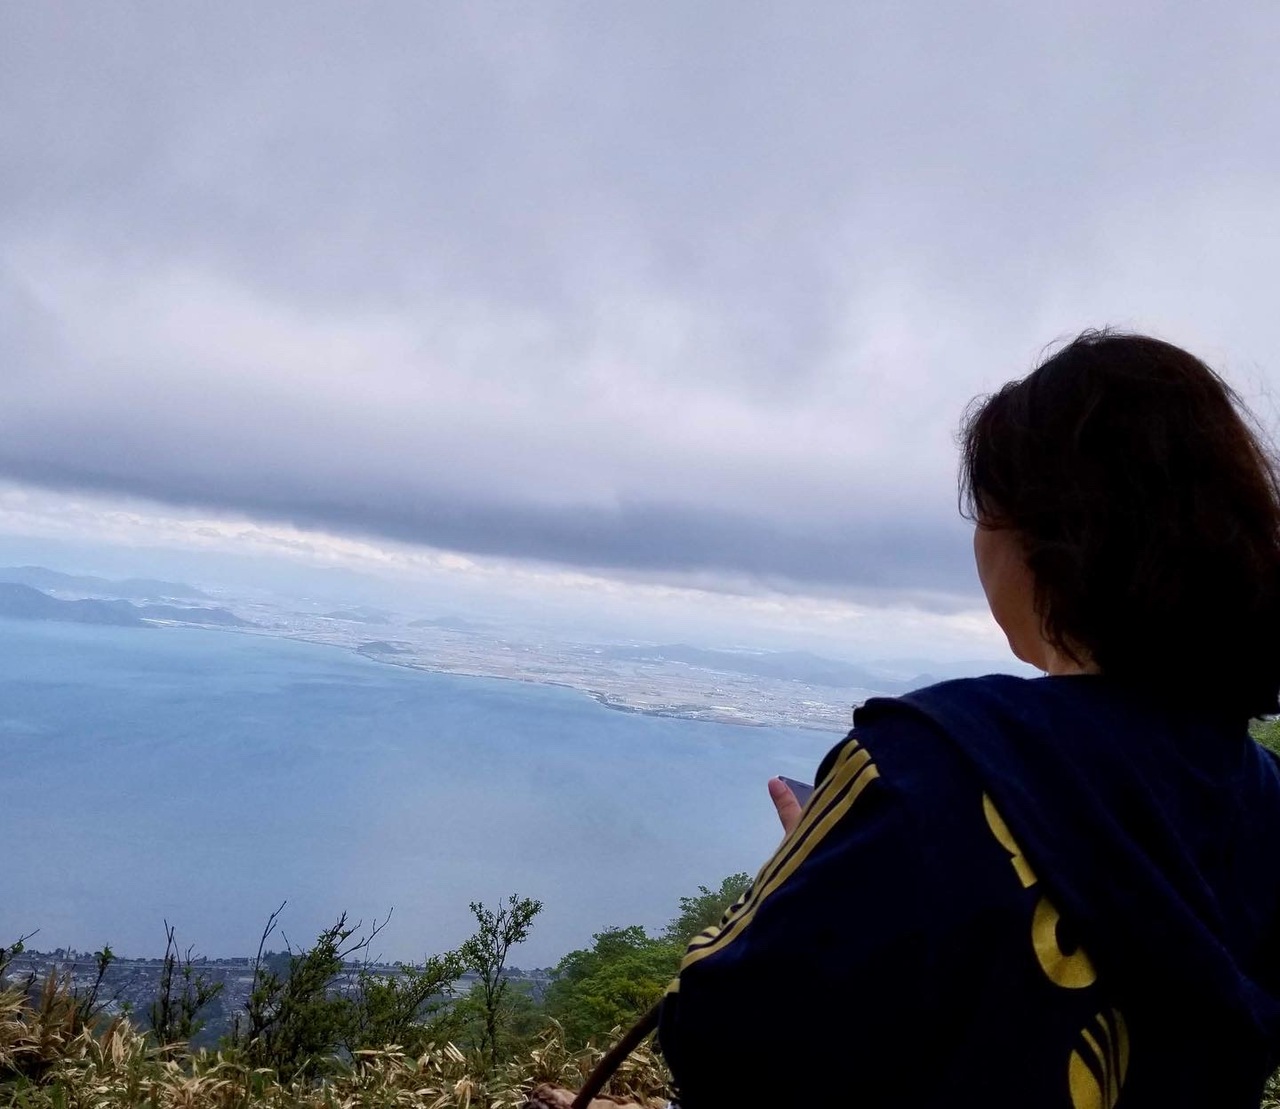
(219,617)
(356,617)
(796,666)
(448,623)
(384,647)
(40,577)
(944,671)
(21,602)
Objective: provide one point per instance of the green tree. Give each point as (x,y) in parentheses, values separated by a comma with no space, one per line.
(498,931)
(521,1020)
(87,1004)
(626,970)
(8,954)
(704,909)
(181,995)
(1266,732)
(621,975)
(396,1009)
(295,1021)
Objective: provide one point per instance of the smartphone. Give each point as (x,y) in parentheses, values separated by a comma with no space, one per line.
(802,790)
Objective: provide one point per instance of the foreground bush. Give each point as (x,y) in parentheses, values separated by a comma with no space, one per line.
(50,1060)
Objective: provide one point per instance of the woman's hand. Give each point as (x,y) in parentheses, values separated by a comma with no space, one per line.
(785,802)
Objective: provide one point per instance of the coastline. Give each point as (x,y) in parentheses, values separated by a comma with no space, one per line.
(411,660)
(606,700)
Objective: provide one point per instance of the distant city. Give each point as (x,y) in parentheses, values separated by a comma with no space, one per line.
(796,699)
(762,688)
(130,985)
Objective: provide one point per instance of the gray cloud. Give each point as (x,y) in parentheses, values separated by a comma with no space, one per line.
(891,558)
(651,288)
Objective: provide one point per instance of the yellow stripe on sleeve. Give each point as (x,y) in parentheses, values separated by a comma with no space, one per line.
(850,760)
(795,851)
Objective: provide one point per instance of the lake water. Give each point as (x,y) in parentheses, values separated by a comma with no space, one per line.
(204,777)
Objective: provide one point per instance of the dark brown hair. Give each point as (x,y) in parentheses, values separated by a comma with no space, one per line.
(1150,514)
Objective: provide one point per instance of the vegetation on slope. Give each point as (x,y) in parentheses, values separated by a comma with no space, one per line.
(389,1041)
(402,1041)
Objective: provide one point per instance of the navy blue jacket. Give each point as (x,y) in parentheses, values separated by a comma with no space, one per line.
(1004,892)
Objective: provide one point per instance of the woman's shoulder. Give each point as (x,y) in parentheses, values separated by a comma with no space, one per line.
(994,692)
(923,725)
(917,762)
(989,712)
(912,737)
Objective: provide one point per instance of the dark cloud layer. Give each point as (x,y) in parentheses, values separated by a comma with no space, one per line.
(879,558)
(656,288)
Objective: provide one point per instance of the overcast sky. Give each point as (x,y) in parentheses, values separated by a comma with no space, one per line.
(657,291)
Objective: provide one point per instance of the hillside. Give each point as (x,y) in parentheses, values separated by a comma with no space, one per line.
(21,602)
(219,617)
(356,617)
(447,623)
(799,666)
(138,589)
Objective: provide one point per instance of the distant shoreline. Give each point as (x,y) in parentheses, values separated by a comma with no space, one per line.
(603,699)
(676,714)
(606,700)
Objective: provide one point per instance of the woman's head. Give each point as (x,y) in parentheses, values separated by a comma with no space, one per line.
(1126,474)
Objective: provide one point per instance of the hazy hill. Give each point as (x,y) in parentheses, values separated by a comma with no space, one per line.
(40,577)
(944,671)
(448,623)
(356,617)
(384,647)
(21,602)
(219,617)
(797,666)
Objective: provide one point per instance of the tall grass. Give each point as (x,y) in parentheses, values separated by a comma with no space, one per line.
(51,1059)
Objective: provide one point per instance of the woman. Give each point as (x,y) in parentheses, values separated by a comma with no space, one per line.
(1056,892)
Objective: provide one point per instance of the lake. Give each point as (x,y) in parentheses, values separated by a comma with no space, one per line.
(205,776)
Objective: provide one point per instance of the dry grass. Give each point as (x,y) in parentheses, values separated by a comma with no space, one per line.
(50,1060)
(1271,1095)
